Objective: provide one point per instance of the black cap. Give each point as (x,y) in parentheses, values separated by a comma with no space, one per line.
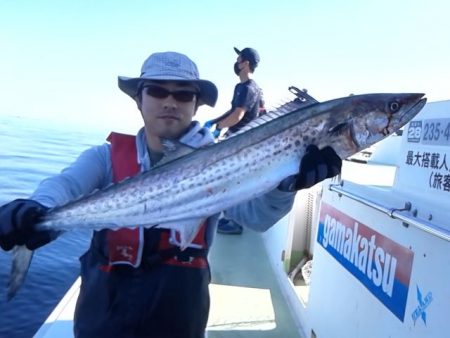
(248,54)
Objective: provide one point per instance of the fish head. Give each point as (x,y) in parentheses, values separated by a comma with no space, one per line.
(371,118)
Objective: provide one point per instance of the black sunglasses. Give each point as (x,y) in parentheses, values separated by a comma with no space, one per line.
(162,93)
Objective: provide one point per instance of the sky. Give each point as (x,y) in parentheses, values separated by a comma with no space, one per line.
(60,59)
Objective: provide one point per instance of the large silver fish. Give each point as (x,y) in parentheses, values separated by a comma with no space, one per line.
(193,184)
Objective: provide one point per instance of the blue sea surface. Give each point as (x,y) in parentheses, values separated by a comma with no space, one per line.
(31,150)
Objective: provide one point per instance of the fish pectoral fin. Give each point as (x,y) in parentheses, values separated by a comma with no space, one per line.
(183,232)
(19,268)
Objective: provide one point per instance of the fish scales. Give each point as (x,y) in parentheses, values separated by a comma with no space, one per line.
(218,176)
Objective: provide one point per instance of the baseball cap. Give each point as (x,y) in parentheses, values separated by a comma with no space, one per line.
(249,54)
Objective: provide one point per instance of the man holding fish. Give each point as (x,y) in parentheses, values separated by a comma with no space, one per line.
(146,273)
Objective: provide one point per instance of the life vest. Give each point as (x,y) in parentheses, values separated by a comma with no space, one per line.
(125,246)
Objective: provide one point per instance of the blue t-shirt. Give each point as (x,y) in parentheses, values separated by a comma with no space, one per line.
(247,95)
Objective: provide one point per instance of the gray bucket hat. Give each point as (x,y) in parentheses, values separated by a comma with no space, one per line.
(170,66)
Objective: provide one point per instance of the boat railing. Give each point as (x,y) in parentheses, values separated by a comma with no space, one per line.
(403,214)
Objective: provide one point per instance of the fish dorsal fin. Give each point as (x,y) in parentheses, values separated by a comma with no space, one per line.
(173,150)
(283,109)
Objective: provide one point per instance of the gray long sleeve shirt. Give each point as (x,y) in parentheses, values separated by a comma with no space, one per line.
(93,170)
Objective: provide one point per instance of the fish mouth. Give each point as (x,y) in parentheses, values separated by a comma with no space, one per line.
(416,108)
(397,121)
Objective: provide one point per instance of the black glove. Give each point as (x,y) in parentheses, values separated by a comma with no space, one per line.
(17,220)
(316,165)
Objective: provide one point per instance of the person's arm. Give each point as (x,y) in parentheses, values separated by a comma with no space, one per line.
(262,212)
(91,170)
(233,118)
(243,99)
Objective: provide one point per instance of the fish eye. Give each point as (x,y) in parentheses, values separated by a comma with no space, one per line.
(394,106)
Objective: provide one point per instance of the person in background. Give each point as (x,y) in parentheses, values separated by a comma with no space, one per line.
(248,100)
(246,105)
(152,289)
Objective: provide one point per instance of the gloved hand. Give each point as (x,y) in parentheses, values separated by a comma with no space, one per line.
(17,221)
(209,124)
(216,133)
(316,165)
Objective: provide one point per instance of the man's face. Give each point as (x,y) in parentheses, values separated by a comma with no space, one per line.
(168,116)
(240,65)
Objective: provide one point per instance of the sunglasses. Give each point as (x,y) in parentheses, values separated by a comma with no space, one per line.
(162,93)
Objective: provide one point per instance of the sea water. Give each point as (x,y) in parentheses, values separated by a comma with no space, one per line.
(31,150)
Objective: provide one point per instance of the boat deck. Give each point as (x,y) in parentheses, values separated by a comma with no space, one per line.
(246,299)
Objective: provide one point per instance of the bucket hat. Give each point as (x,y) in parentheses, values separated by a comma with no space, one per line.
(170,66)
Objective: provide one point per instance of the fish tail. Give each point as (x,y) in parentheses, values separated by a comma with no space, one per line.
(20,264)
